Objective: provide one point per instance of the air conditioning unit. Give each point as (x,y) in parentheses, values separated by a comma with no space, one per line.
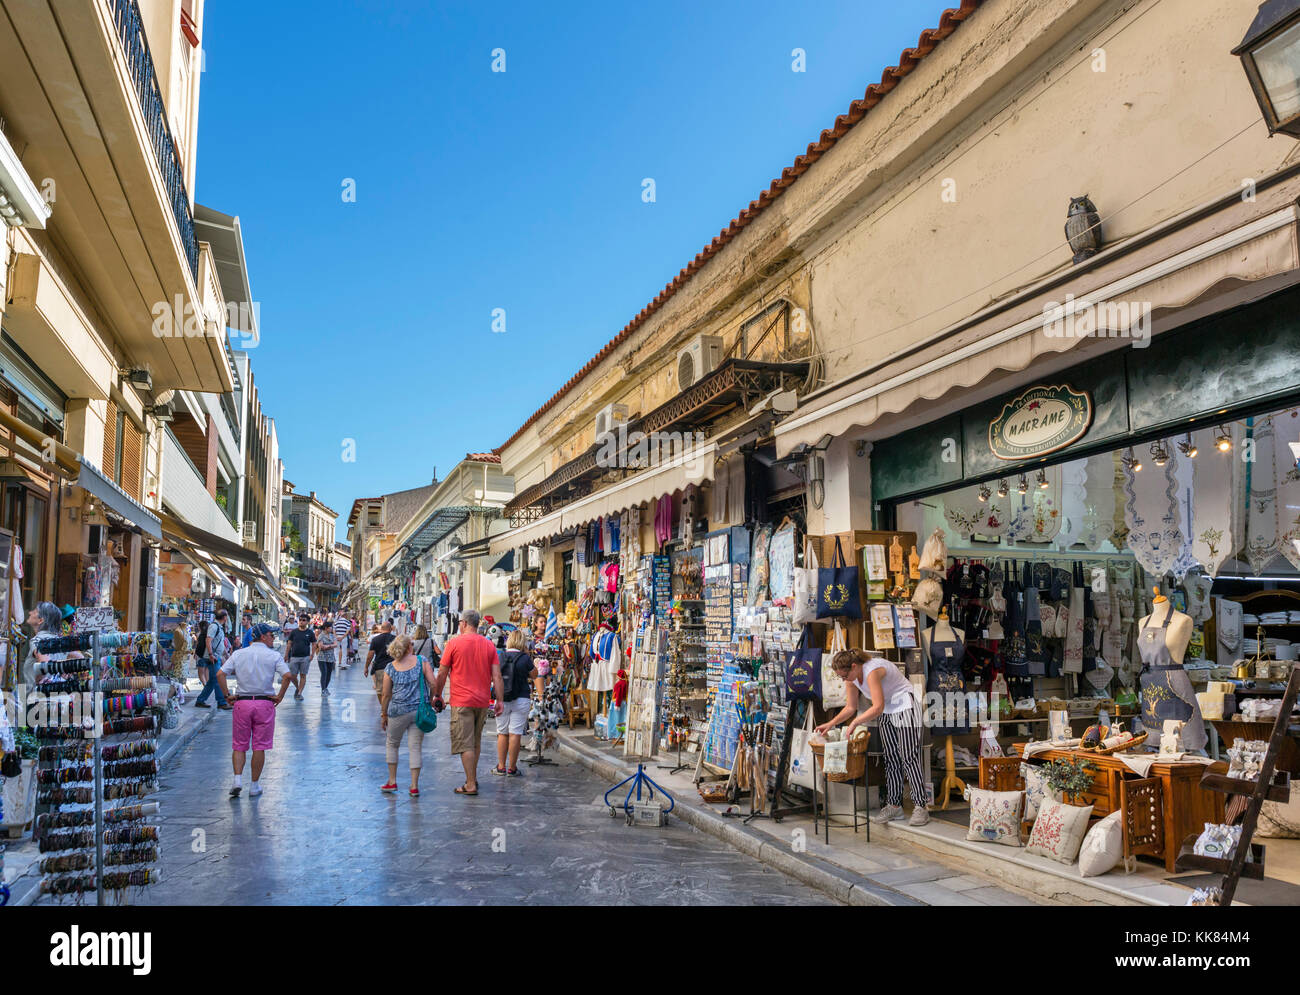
(609,418)
(698,359)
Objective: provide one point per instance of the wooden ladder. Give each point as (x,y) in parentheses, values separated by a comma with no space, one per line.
(1273,785)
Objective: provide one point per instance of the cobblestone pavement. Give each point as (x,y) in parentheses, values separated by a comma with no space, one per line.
(323,834)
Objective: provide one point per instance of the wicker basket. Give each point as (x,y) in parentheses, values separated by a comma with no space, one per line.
(1103,751)
(856,766)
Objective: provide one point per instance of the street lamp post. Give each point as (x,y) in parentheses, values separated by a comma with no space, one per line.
(1270,54)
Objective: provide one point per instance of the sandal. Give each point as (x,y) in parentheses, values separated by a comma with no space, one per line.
(514,772)
(499,770)
(390,787)
(461,791)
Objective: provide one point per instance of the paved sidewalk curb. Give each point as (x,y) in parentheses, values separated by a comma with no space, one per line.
(837,882)
(30,884)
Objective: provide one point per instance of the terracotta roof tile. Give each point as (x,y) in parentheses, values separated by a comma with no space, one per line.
(949,20)
(483,457)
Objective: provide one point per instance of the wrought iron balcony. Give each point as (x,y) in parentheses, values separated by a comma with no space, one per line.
(130,32)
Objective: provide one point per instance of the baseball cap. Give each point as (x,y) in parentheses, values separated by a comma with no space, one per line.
(261,629)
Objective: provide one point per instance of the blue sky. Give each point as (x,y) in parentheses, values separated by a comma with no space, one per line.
(478,190)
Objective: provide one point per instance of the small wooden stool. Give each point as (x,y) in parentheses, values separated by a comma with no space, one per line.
(579,708)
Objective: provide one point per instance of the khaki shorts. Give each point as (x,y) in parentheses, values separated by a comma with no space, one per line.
(467,728)
(377,679)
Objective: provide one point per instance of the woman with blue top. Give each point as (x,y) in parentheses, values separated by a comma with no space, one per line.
(398,701)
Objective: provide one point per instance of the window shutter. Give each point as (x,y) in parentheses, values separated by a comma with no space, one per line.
(132,451)
(108,461)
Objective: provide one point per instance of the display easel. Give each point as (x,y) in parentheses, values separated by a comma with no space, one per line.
(794,714)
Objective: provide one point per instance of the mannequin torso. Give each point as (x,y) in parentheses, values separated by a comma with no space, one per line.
(1179,632)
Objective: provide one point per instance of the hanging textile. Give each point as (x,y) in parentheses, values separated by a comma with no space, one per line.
(1214,512)
(1262,517)
(1099,501)
(736,492)
(1183,470)
(1152,517)
(1046,515)
(1074,499)
(1286,431)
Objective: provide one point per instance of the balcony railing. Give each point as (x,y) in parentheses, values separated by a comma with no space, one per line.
(130,31)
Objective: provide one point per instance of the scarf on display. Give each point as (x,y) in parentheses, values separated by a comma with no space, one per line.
(1099,502)
(1073,659)
(1263,534)
(718,497)
(736,492)
(1286,428)
(1216,525)
(664,519)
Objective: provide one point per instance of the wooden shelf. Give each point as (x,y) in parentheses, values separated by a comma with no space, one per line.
(1279,790)
(1190,861)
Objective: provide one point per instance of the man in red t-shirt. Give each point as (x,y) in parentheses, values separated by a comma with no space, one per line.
(471,661)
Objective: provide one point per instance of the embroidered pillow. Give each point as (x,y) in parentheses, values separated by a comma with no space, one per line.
(1058,830)
(1280,820)
(1037,790)
(995,816)
(1102,847)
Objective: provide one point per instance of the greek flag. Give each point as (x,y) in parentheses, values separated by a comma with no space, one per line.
(552,623)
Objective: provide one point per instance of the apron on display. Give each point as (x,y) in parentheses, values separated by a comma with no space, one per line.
(1166,689)
(946,679)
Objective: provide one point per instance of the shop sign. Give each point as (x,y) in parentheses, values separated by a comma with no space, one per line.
(1041,420)
(98,619)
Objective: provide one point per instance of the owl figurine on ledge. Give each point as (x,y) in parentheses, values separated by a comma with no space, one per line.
(1083,228)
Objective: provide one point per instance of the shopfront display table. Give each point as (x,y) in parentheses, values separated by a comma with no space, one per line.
(1184,806)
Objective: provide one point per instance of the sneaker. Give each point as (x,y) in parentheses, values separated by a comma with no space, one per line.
(499,770)
(234,792)
(201,704)
(920,816)
(890,813)
(297,697)
(415,792)
(226,707)
(390,787)
(255,790)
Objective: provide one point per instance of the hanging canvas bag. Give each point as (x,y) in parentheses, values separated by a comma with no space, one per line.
(834,691)
(934,555)
(837,588)
(804,608)
(801,754)
(836,757)
(803,671)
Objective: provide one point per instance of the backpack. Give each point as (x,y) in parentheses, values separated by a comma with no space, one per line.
(201,644)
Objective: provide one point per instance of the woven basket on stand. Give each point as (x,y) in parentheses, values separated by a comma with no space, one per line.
(856,766)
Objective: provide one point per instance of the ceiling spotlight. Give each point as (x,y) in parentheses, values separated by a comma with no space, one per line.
(1003,488)
(1159,455)
(1131,461)
(1022,485)
(1042,480)
(1187,447)
(984,492)
(1222,440)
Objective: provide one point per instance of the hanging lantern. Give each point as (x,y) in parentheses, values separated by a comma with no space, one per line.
(1270,54)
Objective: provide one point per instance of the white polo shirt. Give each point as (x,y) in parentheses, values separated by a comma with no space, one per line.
(256,667)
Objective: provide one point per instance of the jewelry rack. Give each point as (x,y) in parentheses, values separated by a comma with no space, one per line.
(72,756)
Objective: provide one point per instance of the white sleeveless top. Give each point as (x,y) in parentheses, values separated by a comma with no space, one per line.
(899,693)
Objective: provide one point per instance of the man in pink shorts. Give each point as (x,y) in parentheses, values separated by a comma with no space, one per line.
(255,668)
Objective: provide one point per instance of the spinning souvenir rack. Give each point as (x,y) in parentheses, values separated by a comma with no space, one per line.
(87,847)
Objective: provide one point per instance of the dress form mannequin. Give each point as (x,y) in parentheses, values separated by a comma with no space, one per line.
(1167,693)
(943,633)
(1179,633)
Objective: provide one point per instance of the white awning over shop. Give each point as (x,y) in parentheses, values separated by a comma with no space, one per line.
(1170,273)
(694,467)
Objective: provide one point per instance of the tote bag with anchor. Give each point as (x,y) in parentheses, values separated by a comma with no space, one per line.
(837,588)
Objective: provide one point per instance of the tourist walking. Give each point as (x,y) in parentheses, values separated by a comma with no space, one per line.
(517,673)
(255,668)
(471,663)
(298,653)
(212,648)
(377,658)
(405,676)
(422,644)
(326,653)
(343,637)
